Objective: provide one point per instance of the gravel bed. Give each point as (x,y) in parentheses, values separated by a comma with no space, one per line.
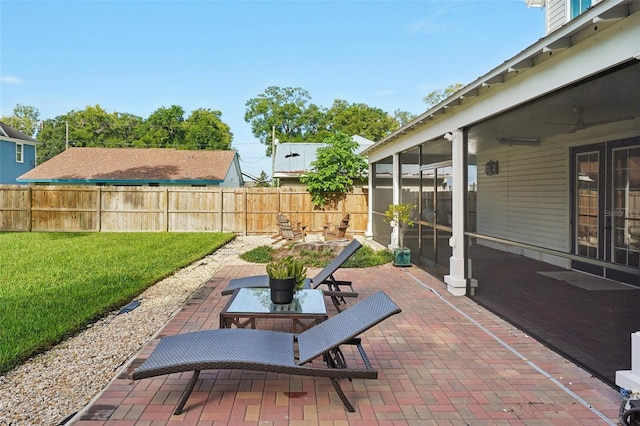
(50,387)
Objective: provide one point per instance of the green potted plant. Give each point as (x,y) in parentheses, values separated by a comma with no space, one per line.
(400,216)
(286,276)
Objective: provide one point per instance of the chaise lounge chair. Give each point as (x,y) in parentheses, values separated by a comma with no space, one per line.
(273,351)
(324,277)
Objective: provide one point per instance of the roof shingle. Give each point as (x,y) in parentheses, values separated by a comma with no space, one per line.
(133,164)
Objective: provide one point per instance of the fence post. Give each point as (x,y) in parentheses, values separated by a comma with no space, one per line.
(99,209)
(29,212)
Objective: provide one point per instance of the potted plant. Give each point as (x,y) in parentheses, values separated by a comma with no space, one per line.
(286,276)
(400,216)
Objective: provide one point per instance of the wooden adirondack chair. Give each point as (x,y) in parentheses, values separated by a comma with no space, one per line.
(339,230)
(288,232)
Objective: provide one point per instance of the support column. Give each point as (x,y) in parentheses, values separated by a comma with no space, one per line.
(397,189)
(630,379)
(368,234)
(456,280)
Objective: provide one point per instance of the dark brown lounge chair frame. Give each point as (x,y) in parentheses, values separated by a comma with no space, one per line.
(273,351)
(336,289)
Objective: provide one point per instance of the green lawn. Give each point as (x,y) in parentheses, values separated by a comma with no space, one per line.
(54,284)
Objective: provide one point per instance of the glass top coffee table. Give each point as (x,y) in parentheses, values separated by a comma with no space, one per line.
(248,304)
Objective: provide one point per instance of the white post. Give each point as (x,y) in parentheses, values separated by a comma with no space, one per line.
(456,280)
(369,232)
(397,189)
(630,379)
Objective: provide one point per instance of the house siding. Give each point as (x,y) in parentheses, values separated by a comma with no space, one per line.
(10,169)
(528,201)
(556,14)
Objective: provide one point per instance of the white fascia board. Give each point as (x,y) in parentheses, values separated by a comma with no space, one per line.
(603,50)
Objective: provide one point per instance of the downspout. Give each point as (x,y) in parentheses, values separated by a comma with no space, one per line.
(456,280)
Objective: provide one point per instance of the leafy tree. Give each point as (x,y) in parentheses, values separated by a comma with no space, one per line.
(92,127)
(25,119)
(333,172)
(438,96)
(163,129)
(204,129)
(283,111)
(263,180)
(52,135)
(403,117)
(356,119)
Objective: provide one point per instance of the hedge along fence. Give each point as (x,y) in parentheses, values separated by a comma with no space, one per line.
(247,211)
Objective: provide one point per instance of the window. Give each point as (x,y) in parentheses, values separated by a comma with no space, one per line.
(577,7)
(19,153)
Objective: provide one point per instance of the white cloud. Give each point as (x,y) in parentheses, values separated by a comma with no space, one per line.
(11,80)
(385,92)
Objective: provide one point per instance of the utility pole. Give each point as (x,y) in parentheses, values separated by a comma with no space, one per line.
(273,155)
(66,125)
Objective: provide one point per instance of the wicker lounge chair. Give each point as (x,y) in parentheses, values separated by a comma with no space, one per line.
(273,351)
(336,289)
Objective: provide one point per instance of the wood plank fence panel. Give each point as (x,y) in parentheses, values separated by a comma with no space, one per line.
(248,211)
(72,209)
(131,209)
(15,201)
(262,207)
(194,210)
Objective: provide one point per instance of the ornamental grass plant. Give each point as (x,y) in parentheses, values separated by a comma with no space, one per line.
(52,285)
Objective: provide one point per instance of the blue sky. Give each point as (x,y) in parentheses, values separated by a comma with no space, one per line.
(137,56)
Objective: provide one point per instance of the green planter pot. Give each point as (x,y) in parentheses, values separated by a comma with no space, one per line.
(282,290)
(402,257)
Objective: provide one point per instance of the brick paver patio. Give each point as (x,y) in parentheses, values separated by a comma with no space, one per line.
(443,361)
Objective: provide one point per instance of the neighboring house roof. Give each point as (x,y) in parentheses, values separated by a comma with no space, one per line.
(9,132)
(293,159)
(133,165)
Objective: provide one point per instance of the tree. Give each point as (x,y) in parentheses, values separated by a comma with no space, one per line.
(403,117)
(24,119)
(333,172)
(356,119)
(163,129)
(263,180)
(204,129)
(285,112)
(438,96)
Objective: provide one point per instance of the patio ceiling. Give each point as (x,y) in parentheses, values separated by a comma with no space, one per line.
(612,99)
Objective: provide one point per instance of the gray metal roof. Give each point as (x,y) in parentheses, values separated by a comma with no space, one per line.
(295,158)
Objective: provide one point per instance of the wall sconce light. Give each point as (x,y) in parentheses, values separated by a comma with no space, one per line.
(518,141)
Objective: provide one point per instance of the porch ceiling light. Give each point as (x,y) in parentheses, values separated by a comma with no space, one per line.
(518,141)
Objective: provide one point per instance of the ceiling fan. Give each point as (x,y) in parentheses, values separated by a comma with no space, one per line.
(581,124)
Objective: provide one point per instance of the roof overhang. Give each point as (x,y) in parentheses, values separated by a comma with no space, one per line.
(530,60)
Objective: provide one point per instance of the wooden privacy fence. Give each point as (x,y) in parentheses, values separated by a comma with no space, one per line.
(247,211)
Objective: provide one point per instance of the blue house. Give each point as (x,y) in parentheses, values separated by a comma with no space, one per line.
(17,154)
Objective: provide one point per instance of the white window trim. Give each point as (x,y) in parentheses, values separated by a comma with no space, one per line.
(19,153)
